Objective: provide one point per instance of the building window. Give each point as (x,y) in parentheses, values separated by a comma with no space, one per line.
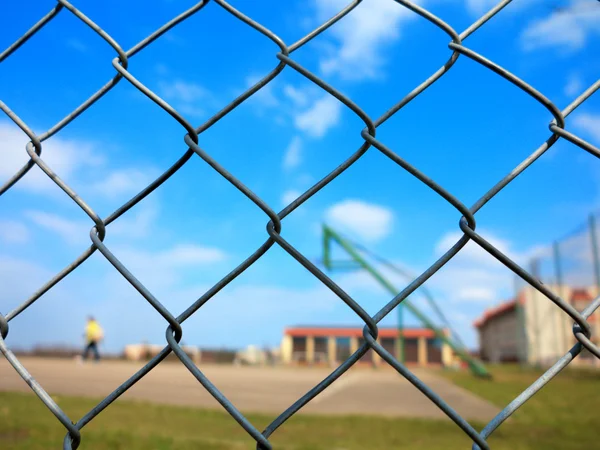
(321,350)
(434,351)
(411,350)
(389,344)
(368,356)
(299,348)
(342,348)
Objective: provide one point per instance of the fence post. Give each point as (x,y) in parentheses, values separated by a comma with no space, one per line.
(401,343)
(596,260)
(558,276)
(534,309)
(522,341)
(595,252)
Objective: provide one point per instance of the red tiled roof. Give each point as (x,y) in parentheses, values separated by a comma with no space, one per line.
(502,308)
(577,295)
(324,331)
(580,295)
(580,298)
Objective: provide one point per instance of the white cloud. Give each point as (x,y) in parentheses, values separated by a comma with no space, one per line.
(162,69)
(72,231)
(266,95)
(166,268)
(461,281)
(568,28)
(574,85)
(311,111)
(589,124)
(19,279)
(478,294)
(64,156)
(289,196)
(365,220)
(293,154)
(472,251)
(122,181)
(183,91)
(13,232)
(361,37)
(185,96)
(76,44)
(478,7)
(298,96)
(135,224)
(175,257)
(191,110)
(462,289)
(72,160)
(186,254)
(474,276)
(470,278)
(320,117)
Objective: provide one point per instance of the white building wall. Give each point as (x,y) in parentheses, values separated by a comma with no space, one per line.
(540,333)
(549,328)
(499,338)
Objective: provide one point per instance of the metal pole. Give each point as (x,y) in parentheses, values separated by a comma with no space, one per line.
(594,240)
(475,366)
(521,328)
(326,251)
(595,252)
(401,352)
(536,329)
(561,292)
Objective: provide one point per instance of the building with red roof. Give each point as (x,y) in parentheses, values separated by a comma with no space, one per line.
(531,328)
(331,345)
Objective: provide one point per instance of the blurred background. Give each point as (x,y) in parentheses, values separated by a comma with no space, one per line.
(276,331)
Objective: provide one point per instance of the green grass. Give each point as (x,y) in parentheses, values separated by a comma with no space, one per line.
(562,416)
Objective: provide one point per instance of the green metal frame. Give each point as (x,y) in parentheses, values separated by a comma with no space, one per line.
(358,262)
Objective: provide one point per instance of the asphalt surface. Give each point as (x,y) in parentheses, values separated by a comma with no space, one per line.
(259,389)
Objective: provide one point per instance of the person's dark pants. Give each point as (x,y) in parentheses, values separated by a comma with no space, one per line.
(93,346)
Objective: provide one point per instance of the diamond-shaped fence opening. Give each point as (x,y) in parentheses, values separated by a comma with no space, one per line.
(284,60)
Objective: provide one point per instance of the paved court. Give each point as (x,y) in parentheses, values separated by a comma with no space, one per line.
(259,389)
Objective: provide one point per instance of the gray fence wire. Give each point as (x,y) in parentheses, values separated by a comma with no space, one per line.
(570,267)
(174,331)
(572,260)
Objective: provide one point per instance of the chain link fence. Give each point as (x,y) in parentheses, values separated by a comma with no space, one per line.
(192,139)
(572,260)
(569,267)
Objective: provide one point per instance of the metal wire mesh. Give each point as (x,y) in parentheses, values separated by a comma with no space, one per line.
(174,331)
(570,267)
(572,260)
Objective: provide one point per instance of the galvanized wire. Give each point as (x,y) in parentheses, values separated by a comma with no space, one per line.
(192,138)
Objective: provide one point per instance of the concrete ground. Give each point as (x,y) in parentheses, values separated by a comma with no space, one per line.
(259,389)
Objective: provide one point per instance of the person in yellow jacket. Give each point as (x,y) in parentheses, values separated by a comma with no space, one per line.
(93,336)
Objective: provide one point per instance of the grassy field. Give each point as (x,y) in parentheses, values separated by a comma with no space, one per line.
(562,416)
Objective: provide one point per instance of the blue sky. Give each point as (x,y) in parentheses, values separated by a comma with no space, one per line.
(466,132)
